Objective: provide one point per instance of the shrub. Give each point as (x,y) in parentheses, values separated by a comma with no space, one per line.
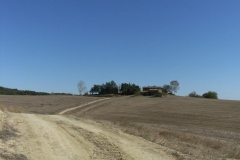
(165,94)
(158,95)
(210,94)
(194,94)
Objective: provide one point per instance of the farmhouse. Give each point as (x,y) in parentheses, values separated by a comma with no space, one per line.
(151,90)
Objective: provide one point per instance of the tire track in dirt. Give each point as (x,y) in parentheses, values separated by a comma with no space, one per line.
(99,147)
(58,137)
(70,109)
(133,147)
(52,142)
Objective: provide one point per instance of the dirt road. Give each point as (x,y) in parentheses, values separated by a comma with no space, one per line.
(85,104)
(58,137)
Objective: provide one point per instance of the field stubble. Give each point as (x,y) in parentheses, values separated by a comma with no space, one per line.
(195,128)
(191,127)
(51,104)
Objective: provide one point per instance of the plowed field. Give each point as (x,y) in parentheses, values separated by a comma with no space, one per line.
(74,127)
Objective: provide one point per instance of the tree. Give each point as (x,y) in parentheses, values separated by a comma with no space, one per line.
(95,89)
(210,94)
(129,89)
(81,87)
(174,86)
(194,94)
(109,88)
(166,88)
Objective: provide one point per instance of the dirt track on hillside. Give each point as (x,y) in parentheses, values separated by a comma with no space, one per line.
(179,127)
(58,137)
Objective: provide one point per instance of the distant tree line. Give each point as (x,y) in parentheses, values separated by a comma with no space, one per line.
(9,91)
(127,88)
(112,88)
(61,94)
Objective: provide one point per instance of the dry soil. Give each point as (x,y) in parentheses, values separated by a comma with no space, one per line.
(74,127)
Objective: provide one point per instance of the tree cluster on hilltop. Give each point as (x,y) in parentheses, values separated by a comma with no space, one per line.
(112,88)
(106,88)
(124,89)
(209,94)
(129,89)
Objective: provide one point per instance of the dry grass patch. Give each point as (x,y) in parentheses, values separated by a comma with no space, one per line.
(7,132)
(8,136)
(5,154)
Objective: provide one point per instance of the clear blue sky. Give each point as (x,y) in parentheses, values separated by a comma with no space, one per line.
(50,45)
